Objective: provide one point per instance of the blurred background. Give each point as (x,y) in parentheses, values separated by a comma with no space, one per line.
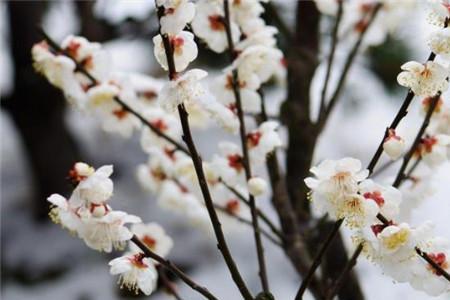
(41,138)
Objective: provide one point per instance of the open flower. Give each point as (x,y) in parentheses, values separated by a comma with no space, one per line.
(184,50)
(136,271)
(177,13)
(154,237)
(387,198)
(434,149)
(263,141)
(165,123)
(439,42)
(106,231)
(185,89)
(209,26)
(424,79)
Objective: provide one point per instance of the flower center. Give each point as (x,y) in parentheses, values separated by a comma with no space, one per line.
(235,161)
(253,138)
(396,240)
(177,44)
(120,113)
(138,261)
(149,241)
(216,23)
(159,124)
(440,259)
(375,196)
(232,206)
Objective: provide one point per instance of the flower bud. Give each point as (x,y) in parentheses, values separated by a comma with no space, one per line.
(393,145)
(257,186)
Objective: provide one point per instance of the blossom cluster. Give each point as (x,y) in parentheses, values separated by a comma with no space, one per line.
(342,188)
(88,215)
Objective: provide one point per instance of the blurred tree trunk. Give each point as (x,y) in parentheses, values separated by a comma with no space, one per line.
(37,110)
(302,58)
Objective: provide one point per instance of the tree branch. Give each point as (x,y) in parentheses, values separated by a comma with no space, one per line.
(173,268)
(246,158)
(124,106)
(418,138)
(334,41)
(348,63)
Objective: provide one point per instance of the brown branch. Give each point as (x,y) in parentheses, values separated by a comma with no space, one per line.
(403,111)
(168,285)
(198,166)
(348,63)
(248,222)
(246,157)
(318,259)
(126,107)
(260,213)
(173,268)
(334,42)
(343,276)
(418,138)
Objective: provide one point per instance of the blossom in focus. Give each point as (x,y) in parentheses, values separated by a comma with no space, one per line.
(387,198)
(334,188)
(184,50)
(393,145)
(208,25)
(154,237)
(136,271)
(177,13)
(424,79)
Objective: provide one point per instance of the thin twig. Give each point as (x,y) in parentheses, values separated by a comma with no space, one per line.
(203,183)
(248,222)
(260,213)
(334,42)
(173,268)
(343,276)
(403,111)
(169,285)
(348,63)
(246,157)
(124,105)
(418,138)
(318,259)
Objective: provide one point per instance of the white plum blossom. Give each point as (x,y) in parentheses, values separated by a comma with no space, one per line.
(208,25)
(262,141)
(387,198)
(163,122)
(229,164)
(177,13)
(439,11)
(439,42)
(257,186)
(434,149)
(184,50)
(424,79)
(59,71)
(95,188)
(257,64)
(63,212)
(136,271)
(107,231)
(185,89)
(393,145)
(223,89)
(154,237)
(334,190)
